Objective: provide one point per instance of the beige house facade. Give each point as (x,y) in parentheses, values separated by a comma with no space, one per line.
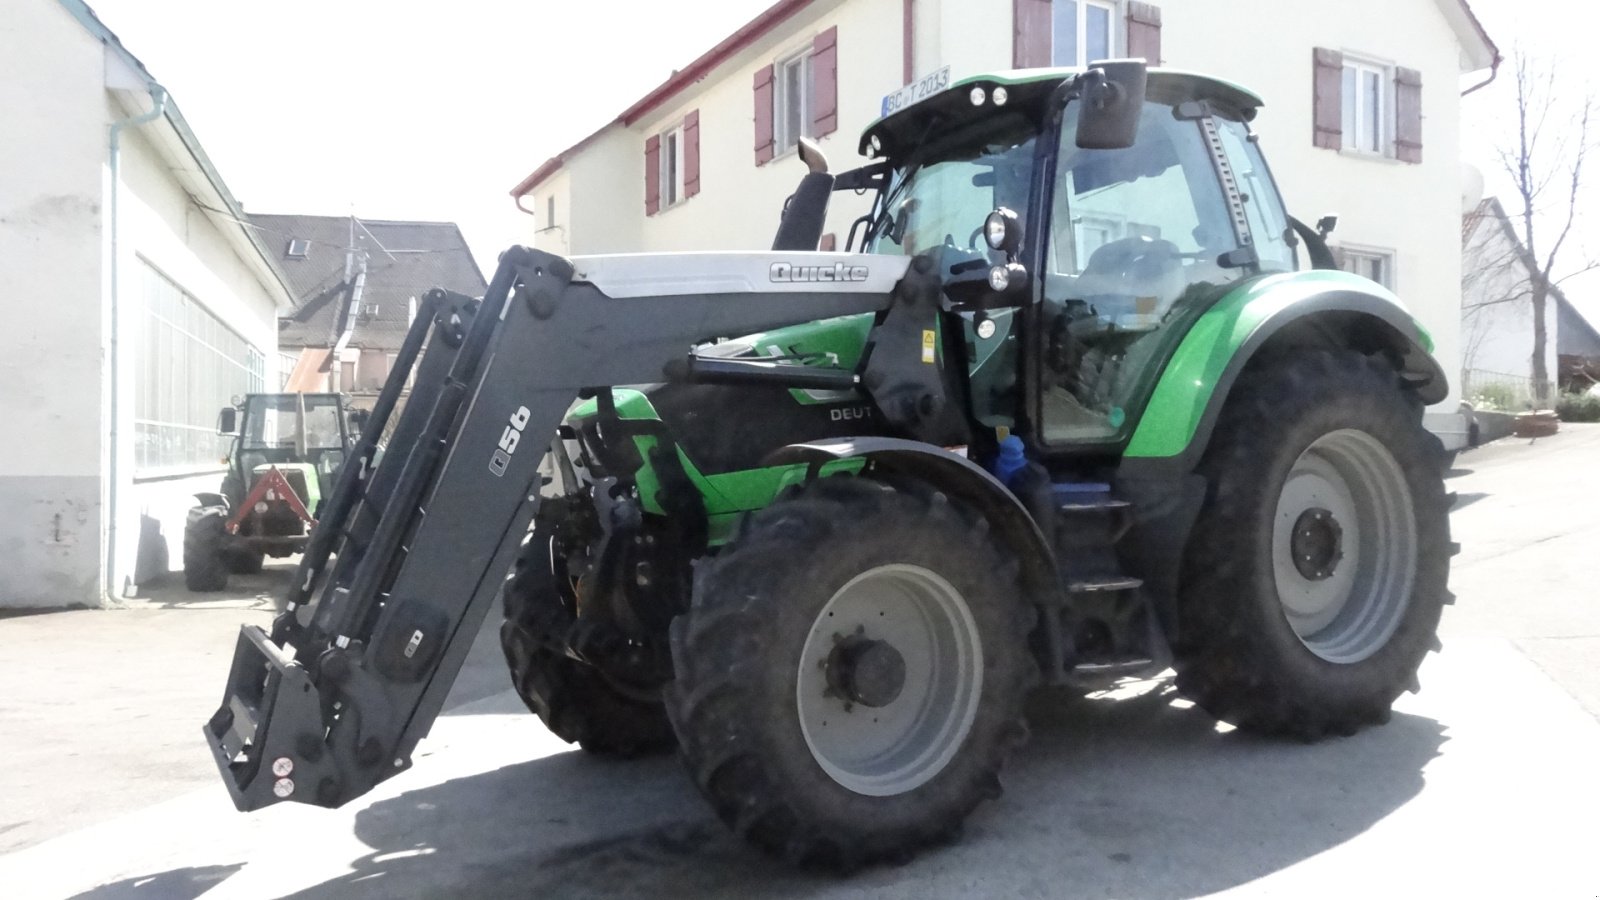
(1361,120)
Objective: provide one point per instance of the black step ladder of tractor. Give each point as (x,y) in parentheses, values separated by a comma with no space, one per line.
(1097,521)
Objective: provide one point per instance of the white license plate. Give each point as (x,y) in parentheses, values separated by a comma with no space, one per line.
(924,87)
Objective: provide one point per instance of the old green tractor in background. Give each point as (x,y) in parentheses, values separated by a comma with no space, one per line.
(283,462)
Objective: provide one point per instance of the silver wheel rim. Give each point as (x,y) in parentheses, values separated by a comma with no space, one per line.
(896,747)
(1344,546)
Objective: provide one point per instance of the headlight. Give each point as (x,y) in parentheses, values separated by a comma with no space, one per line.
(977,96)
(994,231)
(1000,96)
(1001,230)
(999,278)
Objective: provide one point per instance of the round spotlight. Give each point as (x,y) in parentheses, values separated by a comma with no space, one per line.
(977,96)
(985,328)
(1001,230)
(1000,96)
(999,278)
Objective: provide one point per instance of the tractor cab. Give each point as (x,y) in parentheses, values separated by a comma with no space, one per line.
(1133,202)
(305,436)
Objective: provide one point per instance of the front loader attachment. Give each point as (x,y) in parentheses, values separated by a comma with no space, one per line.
(352,674)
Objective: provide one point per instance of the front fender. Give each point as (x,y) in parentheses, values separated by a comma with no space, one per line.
(1329,307)
(960,479)
(208,500)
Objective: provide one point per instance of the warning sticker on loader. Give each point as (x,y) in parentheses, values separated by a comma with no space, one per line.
(927,346)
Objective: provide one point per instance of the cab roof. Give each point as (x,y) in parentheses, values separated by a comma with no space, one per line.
(1030,89)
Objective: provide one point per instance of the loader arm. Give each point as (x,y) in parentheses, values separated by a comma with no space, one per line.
(352,675)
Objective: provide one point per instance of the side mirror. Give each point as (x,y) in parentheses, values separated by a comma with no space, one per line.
(1112,98)
(228,421)
(1326,225)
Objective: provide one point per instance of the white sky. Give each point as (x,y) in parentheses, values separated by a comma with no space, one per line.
(435,110)
(408,110)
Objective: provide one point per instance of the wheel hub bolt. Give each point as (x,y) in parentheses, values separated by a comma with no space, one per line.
(1316,544)
(866,671)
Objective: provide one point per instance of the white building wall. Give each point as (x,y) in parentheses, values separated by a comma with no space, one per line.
(1409,210)
(557,237)
(739,203)
(51,348)
(1497,332)
(163,226)
(55,244)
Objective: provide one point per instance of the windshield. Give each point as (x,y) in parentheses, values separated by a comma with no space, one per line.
(950,185)
(273,422)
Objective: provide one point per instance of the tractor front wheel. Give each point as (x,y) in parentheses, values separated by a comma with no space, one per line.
(850,674)
(204,567)
(1315,576)
(575,700)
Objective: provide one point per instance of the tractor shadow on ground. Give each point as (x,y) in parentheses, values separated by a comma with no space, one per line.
(178,884)
(263,590)
(1139,796)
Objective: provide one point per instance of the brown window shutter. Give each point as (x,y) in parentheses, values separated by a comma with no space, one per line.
(1144,31)
(828,243)
(652,175)
(1030,35)
(691,153)
(825,83)
(1407,115)
(764,115)
(1327,69)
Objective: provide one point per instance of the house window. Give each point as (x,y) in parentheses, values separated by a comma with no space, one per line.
(671,167)
(298,248)
(1081,31)
(286,364)
(1364,102)
(792,111)
(550,211)
(1377,265)
(189,366)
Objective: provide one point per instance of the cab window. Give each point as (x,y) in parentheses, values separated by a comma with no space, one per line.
(1136,237)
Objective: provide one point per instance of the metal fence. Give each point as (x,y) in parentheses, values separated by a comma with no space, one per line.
(1504,391)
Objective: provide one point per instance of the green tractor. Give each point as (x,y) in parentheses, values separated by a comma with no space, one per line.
(284,460)
(1072,412)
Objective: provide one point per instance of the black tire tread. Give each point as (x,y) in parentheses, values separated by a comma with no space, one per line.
(1236,659)
(574,700)
(720,644)
(205,570)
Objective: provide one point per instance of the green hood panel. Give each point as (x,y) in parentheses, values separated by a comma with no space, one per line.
(726,496)
(1202,361)
(306,470)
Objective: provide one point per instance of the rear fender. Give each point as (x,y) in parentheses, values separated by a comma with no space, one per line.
(1272,315)
(209,503)
(957,477)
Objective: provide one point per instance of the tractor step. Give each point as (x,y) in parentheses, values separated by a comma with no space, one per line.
(1102,583)
(1099,504)
(1119,668)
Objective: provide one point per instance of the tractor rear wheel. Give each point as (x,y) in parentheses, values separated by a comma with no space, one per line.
(575,701)
(1315,576)
(204,568)
(850,674)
